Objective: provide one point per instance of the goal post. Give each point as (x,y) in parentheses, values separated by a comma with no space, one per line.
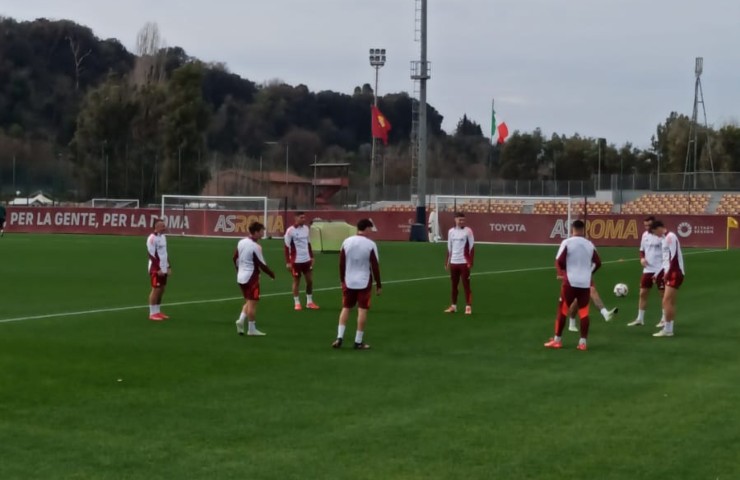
(449,204)
(115,203)
(220,216)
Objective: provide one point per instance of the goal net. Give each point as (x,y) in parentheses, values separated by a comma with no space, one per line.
(115,203)
(445,206)
(215,216)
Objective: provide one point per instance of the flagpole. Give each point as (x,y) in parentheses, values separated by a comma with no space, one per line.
(493,116)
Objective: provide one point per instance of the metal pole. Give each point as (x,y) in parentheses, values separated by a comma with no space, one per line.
(599,169)
(657,180)
(287,156)
(422,187)
(179,169)
(374,144)
(14,188)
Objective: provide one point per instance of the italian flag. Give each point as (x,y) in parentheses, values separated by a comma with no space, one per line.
(498,130)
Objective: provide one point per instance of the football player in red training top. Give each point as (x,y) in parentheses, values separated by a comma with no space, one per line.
(460,255)
(159,269)
(358,265)
(576,261)
(248,261)
(299,259)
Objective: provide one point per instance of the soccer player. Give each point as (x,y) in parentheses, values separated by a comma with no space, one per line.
(577,259)
(460,255)
(651,259)
(299,259)
(248,261)
(671,274)
(596,299)
(159,269)
(358,266)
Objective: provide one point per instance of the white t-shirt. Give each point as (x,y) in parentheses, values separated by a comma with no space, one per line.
(297,244)
(460,245)
(651,248)
(248,259)
(672,256)
(359,262)
(156,245)
(578,257)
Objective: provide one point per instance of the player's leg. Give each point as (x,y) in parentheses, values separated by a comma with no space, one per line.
(669,307)
(309,290)
(159,299)
(242,318)
(252,318)
(572,314)
(361,321)
(455,280)
(154,297)
(349,300)
(661,291)
(596,298)
(465,274)
(564,302)
(363,305)
(296,286)
(646,283)
(583,300)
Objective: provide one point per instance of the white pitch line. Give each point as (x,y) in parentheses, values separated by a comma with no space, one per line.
(230,299)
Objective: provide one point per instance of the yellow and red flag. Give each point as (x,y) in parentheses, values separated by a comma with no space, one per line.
(732,222)
(380,125)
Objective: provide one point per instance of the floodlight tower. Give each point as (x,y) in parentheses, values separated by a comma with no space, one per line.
(420,72)
(692,150)
(377,60)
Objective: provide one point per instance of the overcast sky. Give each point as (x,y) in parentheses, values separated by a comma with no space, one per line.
(611,68)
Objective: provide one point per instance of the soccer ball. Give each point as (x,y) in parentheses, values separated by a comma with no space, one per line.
(621,290)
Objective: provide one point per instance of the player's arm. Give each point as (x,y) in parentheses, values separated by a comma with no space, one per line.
(470,248)
(151,248)
(595,261)
(235,259)
(643,260)
(262,264)
(288,240)
(449,250)
(310,251)
(342,265)
(560,259)
(164,263)
(375,266)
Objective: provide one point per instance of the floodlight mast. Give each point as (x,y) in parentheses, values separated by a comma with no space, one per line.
(377,60)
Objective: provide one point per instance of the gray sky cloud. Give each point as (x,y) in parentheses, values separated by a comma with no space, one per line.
(612,68)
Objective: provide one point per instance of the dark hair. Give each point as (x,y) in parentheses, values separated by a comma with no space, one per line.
(255,227)
(579,225)
(650,219)
(298,214)
(459,214)
(656,224)
(364,224)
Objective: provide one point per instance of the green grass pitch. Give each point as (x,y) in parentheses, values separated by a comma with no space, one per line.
(105,393)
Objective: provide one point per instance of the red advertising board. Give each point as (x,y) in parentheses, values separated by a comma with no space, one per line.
(604,230)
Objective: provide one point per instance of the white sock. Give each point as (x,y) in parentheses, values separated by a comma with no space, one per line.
(668,327)
(252,326)
(641,315)
(151,310)
(572,322)
(340,331)
(156,308)
(662,316)
(309,298)
(582,341)
(297,300)
(358,336)
(454,308)
(604,312)
(242,317)
(557,339)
